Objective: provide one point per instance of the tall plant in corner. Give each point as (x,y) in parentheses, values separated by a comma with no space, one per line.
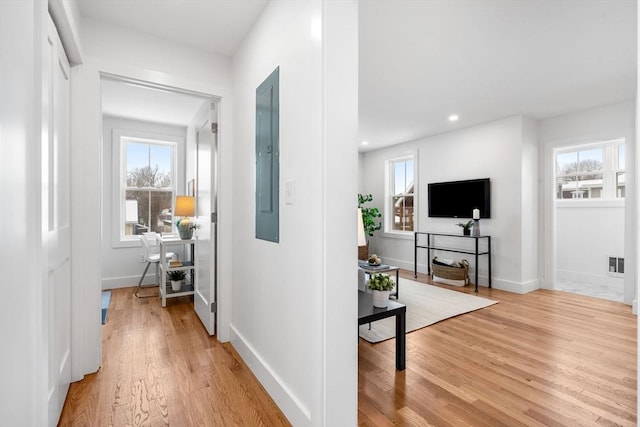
(369,217)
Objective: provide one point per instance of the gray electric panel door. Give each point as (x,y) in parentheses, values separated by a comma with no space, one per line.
(267,159)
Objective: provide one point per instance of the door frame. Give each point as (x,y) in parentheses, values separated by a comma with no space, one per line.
(86,165)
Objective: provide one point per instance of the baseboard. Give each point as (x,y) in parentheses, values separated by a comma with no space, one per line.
(516,287)
(289,404)
(127,281)
(504,285)
(634,307)
(404,265)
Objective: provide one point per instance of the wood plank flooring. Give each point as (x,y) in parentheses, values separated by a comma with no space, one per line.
(161,368)
(547,358)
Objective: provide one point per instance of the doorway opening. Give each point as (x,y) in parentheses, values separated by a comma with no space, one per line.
(154,150)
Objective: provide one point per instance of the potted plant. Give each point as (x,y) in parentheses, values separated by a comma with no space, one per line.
(381,285)
(369,217)
(176,277)
(466,227)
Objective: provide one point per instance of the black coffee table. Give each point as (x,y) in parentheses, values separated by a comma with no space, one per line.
(367,313)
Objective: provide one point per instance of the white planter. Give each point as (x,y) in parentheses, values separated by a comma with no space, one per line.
(380,298)
(176,285)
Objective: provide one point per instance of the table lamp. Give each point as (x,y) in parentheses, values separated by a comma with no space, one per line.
(362,239)
(185,207)
(476,223)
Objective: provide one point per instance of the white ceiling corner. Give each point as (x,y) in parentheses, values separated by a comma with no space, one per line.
(215,26)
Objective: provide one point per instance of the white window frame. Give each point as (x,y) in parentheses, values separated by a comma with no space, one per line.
(388,196)
(609,172)
(616,169)
(118,209)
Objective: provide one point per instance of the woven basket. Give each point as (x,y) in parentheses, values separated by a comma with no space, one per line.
(451,272)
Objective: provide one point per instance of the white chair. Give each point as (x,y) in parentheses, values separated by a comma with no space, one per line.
(152,256)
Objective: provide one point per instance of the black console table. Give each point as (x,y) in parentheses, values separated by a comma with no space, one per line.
(432,245)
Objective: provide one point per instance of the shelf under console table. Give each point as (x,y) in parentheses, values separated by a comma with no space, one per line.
(165,242)
(432,245)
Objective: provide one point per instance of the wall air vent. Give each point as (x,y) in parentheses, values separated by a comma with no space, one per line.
(616,265)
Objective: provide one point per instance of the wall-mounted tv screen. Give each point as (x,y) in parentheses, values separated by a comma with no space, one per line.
(458,199)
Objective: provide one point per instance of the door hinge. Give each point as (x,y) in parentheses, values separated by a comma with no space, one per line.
(214,217)
(214,127)
(214,307)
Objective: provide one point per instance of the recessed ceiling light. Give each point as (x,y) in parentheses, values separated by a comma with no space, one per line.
(365,142)
(453,118)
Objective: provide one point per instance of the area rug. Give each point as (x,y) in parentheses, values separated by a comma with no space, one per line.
(106,297)
(426,305)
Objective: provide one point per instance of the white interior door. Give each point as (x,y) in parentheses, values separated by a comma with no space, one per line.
(56,231)
(206,263)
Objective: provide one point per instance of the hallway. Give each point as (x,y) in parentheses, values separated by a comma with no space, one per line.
(159,367)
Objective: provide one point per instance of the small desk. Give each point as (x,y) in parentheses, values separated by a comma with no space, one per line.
(367,313)
(382,268)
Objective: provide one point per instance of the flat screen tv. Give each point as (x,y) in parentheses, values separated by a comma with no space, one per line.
(458,199)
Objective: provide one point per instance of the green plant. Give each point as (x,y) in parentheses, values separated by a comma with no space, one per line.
(369,215)
(176,275)
(381,282)
(465,225)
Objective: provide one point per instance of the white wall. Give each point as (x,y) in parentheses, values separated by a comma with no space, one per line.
(148,52)
(530,201)
(493,150)
(573,253)
(122,265)
(294,311)
(585,239)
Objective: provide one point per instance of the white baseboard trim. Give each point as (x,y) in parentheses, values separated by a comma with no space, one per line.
(289,404)
(404,265)
(503,285)
(515,287)
(127,281)
(634,307)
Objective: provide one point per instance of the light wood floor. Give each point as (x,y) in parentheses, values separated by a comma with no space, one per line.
(547,358)
(161,368)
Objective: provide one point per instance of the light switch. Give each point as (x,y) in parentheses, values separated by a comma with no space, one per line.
(290,192)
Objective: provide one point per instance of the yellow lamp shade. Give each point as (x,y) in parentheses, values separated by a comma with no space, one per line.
(185,206)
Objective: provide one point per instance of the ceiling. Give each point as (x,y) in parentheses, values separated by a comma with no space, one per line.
(421,61)
(216,26)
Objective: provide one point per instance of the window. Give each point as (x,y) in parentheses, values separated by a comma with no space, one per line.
(594,171)
(400,195)
(619,171)
(147,186)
